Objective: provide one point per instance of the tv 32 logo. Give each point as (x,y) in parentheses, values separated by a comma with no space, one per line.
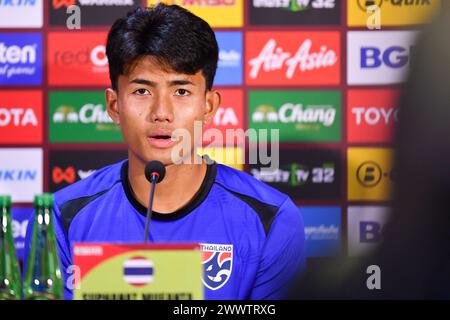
(316,4)
(300,174)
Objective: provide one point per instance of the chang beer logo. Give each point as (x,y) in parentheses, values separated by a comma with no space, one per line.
(310,117)
(265,113)
(301,174)
(88,114)
(65,114)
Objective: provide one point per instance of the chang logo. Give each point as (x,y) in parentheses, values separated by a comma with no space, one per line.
(89,113)
(265,113)
(65,114)
(296,113)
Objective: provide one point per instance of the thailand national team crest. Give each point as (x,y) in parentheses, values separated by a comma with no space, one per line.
(217,262)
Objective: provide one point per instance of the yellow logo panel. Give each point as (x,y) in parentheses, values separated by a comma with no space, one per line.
(218,13)
(370,174)
(233,157)
(391,12)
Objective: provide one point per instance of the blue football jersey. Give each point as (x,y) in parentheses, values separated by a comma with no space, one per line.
(253,235)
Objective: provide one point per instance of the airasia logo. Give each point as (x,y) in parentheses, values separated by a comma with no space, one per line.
(272,57)
(292,58)
(373,116)
(18,117)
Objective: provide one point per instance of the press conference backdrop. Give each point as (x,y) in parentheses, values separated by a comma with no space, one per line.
(310,68)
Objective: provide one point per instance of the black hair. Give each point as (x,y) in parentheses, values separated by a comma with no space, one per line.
(175,37)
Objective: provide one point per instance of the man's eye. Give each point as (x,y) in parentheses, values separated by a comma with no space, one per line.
(142,92)
(182,92)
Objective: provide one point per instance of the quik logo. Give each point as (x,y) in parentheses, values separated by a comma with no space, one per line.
(217,261)
(392,12)
(371,174)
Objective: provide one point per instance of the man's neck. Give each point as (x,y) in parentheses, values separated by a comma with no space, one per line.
(181,183)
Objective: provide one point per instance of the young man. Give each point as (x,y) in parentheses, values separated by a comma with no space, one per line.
(162,64)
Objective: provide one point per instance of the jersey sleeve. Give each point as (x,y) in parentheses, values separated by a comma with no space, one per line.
(62,245)
(283,254)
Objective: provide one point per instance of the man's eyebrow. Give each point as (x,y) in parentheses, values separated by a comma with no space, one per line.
(180,83)
(171,83)
(143,81)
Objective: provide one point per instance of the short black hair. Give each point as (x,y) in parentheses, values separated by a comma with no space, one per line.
(171,34)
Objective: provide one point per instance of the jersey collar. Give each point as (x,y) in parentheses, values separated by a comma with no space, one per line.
(198,198)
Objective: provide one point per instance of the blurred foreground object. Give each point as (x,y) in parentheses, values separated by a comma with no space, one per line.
(10,279)
(43,280)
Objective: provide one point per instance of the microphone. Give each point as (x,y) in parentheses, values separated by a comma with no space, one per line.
(154,172)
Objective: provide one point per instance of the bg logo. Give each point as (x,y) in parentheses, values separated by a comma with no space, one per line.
(393,57)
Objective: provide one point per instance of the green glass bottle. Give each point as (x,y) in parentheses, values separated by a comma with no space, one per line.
(43,280)
(10,280)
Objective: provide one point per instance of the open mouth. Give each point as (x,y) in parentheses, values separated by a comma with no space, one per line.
(162,137)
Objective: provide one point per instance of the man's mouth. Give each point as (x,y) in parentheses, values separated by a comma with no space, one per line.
(161,139)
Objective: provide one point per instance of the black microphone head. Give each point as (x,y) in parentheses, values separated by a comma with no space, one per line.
(153,167)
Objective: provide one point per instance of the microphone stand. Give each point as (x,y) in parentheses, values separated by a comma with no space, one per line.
(155,177)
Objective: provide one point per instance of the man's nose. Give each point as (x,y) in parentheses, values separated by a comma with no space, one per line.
(162,110)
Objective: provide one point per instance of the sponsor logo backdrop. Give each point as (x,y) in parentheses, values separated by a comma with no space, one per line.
(310,68)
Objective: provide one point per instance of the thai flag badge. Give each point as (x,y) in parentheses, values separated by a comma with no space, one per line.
(138,271)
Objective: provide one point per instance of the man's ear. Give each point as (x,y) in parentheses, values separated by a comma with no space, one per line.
(111,105)
(213,100)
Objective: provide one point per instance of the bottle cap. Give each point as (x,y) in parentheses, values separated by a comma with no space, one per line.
(5,201)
